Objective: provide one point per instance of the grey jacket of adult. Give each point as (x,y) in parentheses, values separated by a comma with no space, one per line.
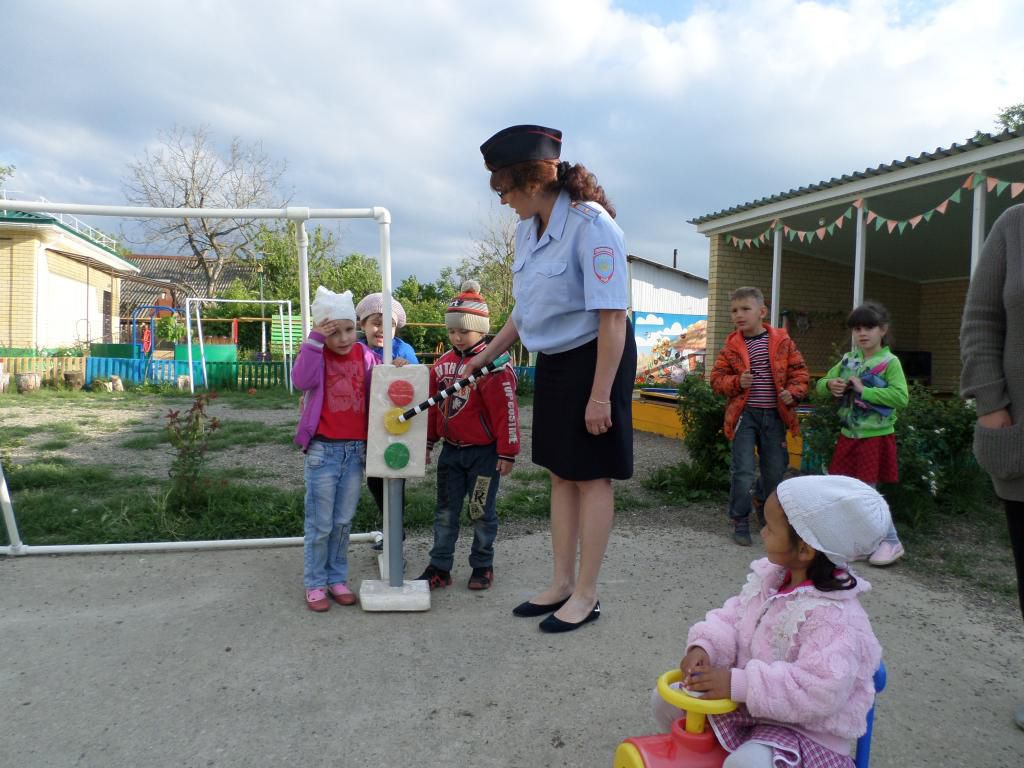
(992,351)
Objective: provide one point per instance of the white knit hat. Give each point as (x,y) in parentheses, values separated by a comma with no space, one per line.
(328,305)
(373,304)
(840,516)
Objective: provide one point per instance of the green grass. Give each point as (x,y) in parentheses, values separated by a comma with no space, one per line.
(54,445)
(11,437)
(267,399)
(235,433)
(145,439)
(529,475)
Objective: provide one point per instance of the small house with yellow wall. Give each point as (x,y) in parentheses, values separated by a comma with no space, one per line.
(60,283)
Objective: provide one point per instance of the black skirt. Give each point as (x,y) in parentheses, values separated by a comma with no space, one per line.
(561,442)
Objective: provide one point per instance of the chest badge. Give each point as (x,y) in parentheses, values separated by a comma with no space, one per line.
(604,264)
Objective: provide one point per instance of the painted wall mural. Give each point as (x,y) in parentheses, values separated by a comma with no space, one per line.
(668,346)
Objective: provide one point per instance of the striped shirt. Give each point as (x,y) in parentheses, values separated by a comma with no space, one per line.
(762,391)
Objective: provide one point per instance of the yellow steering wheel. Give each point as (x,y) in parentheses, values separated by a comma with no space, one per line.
(696,708)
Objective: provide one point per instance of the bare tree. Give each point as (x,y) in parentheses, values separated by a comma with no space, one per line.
(490,262)
(6,171)
(187,171)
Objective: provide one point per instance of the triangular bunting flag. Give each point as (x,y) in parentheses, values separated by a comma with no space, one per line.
(748,241)
(928,215)
(839,222)
(792,234)
(968,182)
(916,220)
(830,227)
(1001,187)
(941,207)
(891,224)
(785,229)
(878,223)
(1016,188)
(848,213)
(871,217)
(821,233)
(858,203)
(902,225)
(800,235)
(955,197)
(978,178)
(990,183)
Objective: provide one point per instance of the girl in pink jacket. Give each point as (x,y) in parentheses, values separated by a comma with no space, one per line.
(794,648)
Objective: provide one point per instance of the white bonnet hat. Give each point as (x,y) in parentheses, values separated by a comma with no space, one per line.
(373,304)
(328,305)
(839,516)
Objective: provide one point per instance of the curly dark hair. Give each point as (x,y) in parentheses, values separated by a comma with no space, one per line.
(580,183)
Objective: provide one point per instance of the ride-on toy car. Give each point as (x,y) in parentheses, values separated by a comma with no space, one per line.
(690,744)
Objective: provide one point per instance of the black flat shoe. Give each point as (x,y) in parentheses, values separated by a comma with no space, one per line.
(554,624)
(530,610)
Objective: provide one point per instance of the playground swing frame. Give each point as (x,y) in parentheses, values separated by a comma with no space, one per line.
(300,215)
(286,344)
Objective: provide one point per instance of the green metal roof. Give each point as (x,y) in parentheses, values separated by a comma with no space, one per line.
(42,218)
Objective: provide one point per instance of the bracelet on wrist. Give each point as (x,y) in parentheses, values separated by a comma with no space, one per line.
(601,402)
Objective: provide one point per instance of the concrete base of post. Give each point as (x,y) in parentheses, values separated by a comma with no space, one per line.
(377,595)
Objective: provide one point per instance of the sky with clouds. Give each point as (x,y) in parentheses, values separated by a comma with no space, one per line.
(680,108)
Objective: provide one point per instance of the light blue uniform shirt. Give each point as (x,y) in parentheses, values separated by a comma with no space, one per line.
(559,281)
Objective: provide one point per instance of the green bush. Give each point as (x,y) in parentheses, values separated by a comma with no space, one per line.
(706,474)
(936,465)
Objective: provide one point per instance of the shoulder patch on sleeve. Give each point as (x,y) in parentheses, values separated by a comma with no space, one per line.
(586,210)
(604,263)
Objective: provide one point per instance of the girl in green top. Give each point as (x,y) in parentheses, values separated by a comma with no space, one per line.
(870,386)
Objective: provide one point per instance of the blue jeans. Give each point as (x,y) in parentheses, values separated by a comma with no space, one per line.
(334,479)
(759,428)
(471,470)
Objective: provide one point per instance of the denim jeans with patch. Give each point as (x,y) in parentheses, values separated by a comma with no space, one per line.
(763,429)
(472,471)
(334,480)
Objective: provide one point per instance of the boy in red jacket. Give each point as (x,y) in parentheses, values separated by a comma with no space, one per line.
(480,430)
(763,374)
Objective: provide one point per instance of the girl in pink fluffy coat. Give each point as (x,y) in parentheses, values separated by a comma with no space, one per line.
(794,648)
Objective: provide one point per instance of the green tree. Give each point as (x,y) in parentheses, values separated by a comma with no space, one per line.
(424,303)
(6,172)
(279,257)
(1011,118)
(490,264)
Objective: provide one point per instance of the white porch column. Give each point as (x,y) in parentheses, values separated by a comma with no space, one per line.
(977,224)
(776,277)
(860,256)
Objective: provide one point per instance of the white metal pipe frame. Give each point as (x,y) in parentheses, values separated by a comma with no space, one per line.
(300,215)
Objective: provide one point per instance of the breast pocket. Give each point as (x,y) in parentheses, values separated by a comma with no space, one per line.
(551,268)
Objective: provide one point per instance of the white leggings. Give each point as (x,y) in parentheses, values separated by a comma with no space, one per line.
(750,755)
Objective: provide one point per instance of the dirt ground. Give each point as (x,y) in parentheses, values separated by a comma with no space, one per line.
(210,659)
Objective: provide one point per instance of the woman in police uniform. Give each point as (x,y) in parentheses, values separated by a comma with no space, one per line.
(571,288)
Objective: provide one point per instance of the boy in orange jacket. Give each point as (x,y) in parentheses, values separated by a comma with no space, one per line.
(764,376)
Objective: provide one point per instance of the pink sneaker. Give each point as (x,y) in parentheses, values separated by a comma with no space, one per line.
(316,600)
(886,554)
(342,594)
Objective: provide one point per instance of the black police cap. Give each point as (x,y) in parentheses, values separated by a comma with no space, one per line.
(520,143)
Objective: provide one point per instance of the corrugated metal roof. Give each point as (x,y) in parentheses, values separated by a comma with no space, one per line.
(181,275)
(981,140)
